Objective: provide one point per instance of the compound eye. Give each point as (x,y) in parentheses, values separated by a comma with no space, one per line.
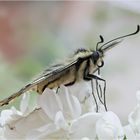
(96,56)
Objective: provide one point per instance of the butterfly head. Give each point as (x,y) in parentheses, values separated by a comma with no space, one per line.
(97,58)
(100,51)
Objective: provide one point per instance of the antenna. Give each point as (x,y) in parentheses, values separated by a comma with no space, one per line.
(101,41)
(138,29)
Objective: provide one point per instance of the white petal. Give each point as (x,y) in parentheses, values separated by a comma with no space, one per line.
(71,105)
(60,121)
(85,138)
(55,130)
(109,127)
(81,90)
(50,103)
(88,105)
(138,136)
(134,119)
(24,102)
(19,128)
(2,134)
(10,133)
(16,113)
(48,132)
(5,116)
(129,133)
(42,132)
(84,126)
(32,121)
(9,115)
(134,116)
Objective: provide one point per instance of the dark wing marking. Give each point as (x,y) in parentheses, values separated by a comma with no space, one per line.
(80,50)
(54,70)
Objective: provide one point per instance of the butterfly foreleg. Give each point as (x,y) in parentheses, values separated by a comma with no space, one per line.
(104,90)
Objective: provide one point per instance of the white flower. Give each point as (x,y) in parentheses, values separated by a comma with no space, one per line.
(61,115)
(83,91)
(85,126)
(58,116)
(85,138)
(51,103)
(2,137)
(134,119)
(109,127)
(130,135)
(14,114)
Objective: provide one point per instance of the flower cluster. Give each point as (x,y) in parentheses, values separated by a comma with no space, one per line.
(68,114)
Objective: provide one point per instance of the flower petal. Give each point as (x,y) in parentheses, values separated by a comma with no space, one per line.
(49,101)
(42,132)
(134,119)
(20,127)
(24,102)
(5,116)
(71,105)
(129,133)
(134,116)
(85,138)
(52,130)
(84,126)
(60,121)
(2,134)
(11,133)
(109,127)
(81,90)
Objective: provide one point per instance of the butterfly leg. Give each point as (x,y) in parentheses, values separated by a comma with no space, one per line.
(87,78)
(94,95)
(98,78)
(99,95)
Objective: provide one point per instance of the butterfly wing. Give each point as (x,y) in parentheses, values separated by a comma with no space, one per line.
(52,72)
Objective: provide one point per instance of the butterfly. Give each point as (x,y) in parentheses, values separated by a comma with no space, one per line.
(82,66)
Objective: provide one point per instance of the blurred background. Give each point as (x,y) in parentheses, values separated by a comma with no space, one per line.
(36,34)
